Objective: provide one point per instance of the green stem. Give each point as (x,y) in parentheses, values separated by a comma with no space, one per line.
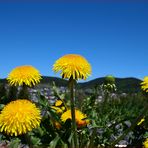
(28,140)
(105,102)
(131,127)
(72,97)
(58,96)
(91,144)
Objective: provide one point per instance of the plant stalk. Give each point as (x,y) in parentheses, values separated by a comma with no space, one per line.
(91,144)
(74,126)
(28,140)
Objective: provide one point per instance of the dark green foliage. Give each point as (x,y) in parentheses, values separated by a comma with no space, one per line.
(127,85)
(3,91)
(23,93)
(50,80)
(109,120)
(3,94)
(115,113)
(12,93)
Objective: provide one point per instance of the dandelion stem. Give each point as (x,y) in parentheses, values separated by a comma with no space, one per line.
(105,101)
(28,140)
(91,144)
(72,97)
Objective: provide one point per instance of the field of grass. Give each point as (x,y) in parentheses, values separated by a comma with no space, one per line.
(111,121)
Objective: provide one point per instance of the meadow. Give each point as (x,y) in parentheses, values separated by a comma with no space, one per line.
(73,119)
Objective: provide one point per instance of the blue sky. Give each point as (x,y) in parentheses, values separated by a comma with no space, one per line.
(112,36)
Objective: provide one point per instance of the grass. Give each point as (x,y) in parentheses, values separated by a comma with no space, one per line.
(112,121)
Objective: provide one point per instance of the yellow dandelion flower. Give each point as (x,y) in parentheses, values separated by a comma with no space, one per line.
(80,117)
(18,117)
(63,108)
(58,103)
(145,84)
(24,74)
(72,65)
(57,109)
(82,123)
(145,143)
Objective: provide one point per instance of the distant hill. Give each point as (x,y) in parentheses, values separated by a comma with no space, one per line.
(128,85)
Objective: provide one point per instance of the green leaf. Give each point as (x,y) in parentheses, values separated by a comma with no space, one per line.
(64,145)
(35,141)
(70,140)
(146,135)
(54,142)
(43,101)
(14,143)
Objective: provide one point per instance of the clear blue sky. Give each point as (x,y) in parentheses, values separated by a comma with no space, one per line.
(112,36)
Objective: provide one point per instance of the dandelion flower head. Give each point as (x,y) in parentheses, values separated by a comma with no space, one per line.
(24,74)
(144,84)
(18,117)
(72,65)
(80,117)
(58,110)
(145,143)
(58,103)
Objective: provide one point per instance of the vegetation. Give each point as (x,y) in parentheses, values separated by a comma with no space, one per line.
(109,121)
(105,112)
